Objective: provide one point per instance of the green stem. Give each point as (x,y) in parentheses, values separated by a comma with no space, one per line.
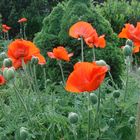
(94,56)
(126,83)
(35,78)
(45,80)
(110,75)
(62,73)
(22,101)
(89,117)
(24,31)
(74,132)
(82,49)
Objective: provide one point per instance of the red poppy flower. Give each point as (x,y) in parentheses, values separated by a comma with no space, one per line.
(81,29)
(7,27)
(60,53)
(22,20)
(2,80)
(4,30)
(95,40)
(4,26)
(85,77)
(19,50)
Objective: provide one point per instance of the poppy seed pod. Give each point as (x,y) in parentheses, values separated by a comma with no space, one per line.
(73,117)
(129,42)
(116,94)
(34,60)
(101,63)
(23,133)
(127,50)
(131,120)
(93,98)
(9,73)
(2,56)
(7,62)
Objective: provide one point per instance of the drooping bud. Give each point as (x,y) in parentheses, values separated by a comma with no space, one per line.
(93,98)
(127,50)
(34,60)
(23,133)
(132,120)
(129,42)
(116,94)
(101,63)
(7,62)
(2,56)
(73,117)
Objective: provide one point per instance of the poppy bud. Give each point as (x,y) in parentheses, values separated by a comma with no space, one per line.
(101,63)
(93,98)
(116,94)
(73,117)
(34,60)
(23,133)
(9,73)
(131,120)
(111,122)
(127,50)
(2,56)
(7,62)
(129,42)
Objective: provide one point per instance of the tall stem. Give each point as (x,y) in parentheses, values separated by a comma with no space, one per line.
(82,49)
(138,122)
(45,80)
(22,101)
(93,51)
(62,73)
(24,31)
(89,117)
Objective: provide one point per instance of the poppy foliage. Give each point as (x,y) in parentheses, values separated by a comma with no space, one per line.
(133,33)
(85,77)
(60,53)
(88,33)
(19,50)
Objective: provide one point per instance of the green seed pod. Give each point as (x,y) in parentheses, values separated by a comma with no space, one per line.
(111,122)
(2,56)
(93,98)
(127,50)
(73,117)
(116,94)
(132,120)
(34,60)
(9,73)
(7,62)
(23,133)
(101,63)
(129,42)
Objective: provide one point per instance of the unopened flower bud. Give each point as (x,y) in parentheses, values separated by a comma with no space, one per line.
(127,50)
(93,98)
(2,56)
(116,94)
(7,62)
(34,60)
(73,117)
(129,42)
(111,122)
(9,73)
(101,63)
(131,120)
(23,133)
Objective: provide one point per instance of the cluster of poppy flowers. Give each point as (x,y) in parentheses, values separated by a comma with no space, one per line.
(133,33)
(6,28)
(88,76)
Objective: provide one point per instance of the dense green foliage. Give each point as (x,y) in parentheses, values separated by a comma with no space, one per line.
(56,26)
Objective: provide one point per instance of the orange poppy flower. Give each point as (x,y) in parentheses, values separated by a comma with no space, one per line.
(5,28)
(88,77)
(2,80)
(22,20)
(95,40)
(81,29)
(60,53)
(19,50)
